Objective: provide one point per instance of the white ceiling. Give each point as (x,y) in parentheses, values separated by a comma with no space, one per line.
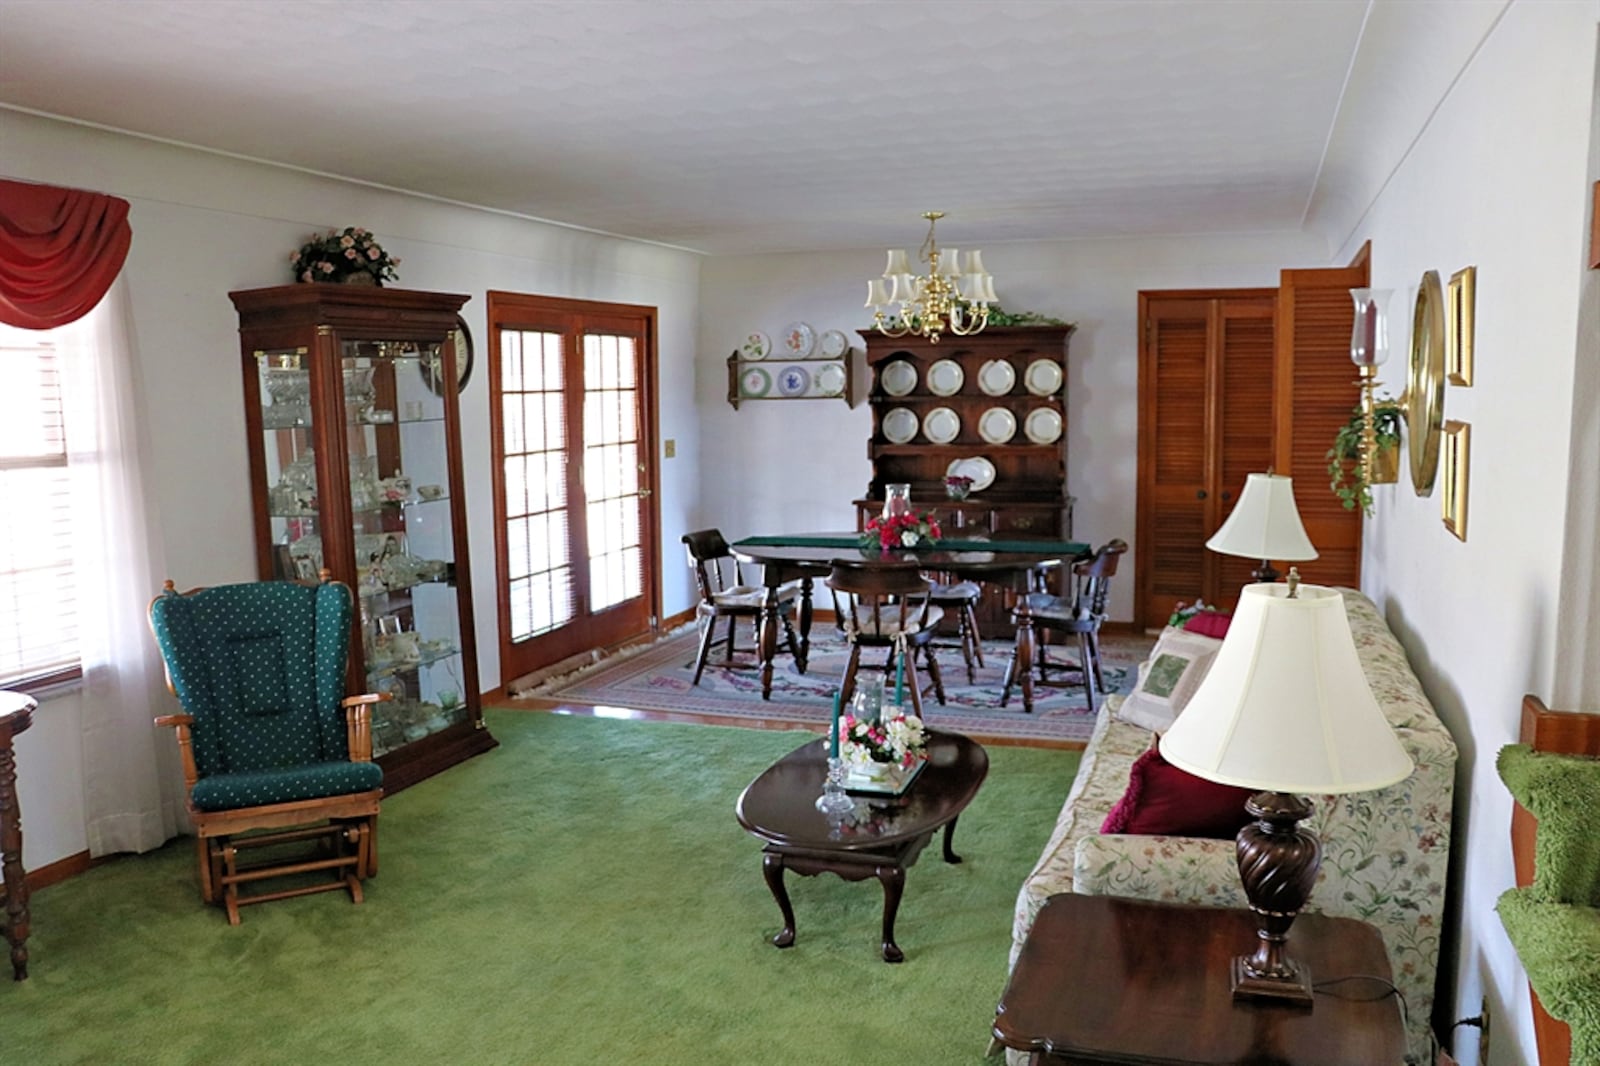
(729,127)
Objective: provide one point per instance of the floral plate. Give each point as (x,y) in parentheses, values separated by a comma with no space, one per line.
(755,346)
(798,340)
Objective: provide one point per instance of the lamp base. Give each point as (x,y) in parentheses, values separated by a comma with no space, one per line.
(1293,987)
(1266,572)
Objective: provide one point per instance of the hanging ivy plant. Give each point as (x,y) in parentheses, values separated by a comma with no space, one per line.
(1346,473)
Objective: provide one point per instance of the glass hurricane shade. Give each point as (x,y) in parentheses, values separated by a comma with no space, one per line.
(1265,524)
(1286,706)
(1369,336)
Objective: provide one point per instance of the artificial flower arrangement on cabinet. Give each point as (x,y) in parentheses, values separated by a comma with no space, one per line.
(1346,474)
(908,529)
(351,255)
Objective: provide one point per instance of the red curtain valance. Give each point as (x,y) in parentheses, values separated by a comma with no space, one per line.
(60,250)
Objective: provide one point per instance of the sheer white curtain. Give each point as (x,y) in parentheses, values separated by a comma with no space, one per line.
(132,786)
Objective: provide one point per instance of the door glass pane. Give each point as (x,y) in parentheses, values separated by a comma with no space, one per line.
(539,564)
(611,469)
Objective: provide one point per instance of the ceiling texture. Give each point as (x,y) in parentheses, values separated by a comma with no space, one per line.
(739,126)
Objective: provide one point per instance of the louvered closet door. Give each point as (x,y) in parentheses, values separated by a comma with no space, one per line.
(1206,385)
(1315,317)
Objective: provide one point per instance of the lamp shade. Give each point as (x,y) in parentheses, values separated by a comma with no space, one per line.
(1286,706)
(1265,523)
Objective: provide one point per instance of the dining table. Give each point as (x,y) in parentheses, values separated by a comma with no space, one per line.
(1006,562)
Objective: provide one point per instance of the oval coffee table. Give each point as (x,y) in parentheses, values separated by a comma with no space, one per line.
(881,839)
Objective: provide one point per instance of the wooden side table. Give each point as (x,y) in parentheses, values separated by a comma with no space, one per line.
(16,714)
(1103,981)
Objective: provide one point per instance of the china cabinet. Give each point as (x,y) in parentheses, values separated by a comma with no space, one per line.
(353,423)
(991,407)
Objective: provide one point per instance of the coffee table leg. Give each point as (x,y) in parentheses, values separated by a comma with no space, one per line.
(950,831)
(772,870)
(894,883)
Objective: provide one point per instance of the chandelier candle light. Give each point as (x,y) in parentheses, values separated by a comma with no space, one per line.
(953,295)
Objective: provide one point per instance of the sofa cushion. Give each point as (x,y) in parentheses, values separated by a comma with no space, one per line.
(1167,679)
(1208,623)
(1164,800)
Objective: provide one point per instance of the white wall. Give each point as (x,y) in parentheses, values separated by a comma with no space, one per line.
(1499,177)
(822,446)
(204,225)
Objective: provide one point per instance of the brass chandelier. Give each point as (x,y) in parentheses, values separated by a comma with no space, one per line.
(948,297)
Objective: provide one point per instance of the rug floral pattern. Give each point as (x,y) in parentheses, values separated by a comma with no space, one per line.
(659,679)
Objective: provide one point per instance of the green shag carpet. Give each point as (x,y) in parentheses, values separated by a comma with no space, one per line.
(582,894)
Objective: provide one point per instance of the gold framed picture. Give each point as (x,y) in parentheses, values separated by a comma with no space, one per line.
(1459,301)
(1456,456)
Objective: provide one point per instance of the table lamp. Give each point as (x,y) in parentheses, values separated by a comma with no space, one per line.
(1264,525)
(1286,709)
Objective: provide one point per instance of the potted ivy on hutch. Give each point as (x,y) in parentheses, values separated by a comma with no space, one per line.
(1346,473)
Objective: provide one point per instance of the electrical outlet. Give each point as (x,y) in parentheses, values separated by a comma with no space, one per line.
(669,448)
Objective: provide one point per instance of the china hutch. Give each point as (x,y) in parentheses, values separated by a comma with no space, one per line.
(991,407)
(353,423)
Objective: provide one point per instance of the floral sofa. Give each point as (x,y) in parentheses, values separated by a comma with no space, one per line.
(1385,854)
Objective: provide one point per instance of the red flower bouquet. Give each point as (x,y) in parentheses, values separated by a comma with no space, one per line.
(906,530)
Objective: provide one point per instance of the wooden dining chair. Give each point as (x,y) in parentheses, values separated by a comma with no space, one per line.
(880,606)
(725,595)
(1078,615)
(960,599)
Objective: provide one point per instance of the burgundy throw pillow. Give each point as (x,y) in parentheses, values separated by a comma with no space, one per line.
(1209,623)
(1162,799)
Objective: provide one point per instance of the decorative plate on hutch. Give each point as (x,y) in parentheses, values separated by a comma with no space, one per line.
(798,340)
(1043,377)
(996,377)
(835,344)
(755,346)
(945,378)
(1043,425)
(794,381)
(898,378)
(941,425)
(997,425)
(979,469)
(755,382)
(899,425)
(830,379)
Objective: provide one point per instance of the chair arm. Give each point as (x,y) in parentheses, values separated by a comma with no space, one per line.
(182,722)
(358,723)
(1163,868)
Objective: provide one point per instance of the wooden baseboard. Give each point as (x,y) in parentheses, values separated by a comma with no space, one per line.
(56,872)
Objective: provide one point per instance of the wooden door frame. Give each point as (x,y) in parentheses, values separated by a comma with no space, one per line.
(649,422)
(1147,429)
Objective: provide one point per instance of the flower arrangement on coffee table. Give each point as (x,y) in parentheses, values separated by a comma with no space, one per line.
(341,254)
(906,530)
(882,755)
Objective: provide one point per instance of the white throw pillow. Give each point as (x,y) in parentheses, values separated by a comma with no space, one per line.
(1169,678)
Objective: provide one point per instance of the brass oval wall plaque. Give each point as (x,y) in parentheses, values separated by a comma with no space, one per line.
(1425,384)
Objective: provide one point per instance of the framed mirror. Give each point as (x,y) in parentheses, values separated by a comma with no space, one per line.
(1425,384)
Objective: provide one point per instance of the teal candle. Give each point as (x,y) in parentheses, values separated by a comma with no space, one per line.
(900,677)
(833,733)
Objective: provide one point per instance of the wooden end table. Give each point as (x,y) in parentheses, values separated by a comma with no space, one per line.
(16,714)
(1103,981)
(881,840)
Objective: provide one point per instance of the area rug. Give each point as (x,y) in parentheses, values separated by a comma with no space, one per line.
(659,678)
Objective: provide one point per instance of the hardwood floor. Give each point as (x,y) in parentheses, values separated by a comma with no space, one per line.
(629,714)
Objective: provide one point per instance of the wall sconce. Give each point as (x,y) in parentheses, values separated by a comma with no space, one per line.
(1369,348)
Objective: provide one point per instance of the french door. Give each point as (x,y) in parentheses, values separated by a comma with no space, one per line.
(572,409)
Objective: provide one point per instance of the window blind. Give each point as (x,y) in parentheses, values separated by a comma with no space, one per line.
(38,593)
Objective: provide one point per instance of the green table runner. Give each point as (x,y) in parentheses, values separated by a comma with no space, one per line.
(949,544)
